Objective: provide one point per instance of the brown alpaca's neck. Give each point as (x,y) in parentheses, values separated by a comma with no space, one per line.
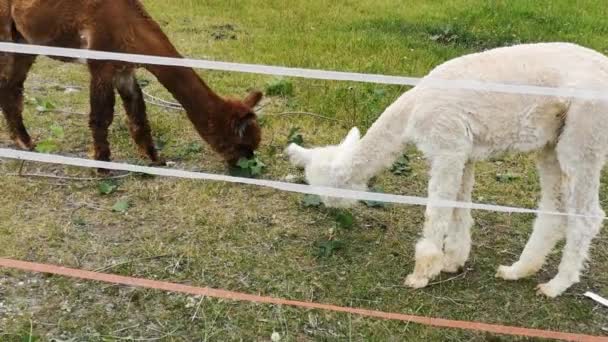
(203,106)
(200,102)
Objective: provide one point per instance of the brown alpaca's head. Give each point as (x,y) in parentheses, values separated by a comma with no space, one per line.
(242,133)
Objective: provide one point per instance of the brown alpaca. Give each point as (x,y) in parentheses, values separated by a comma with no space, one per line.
(229,126)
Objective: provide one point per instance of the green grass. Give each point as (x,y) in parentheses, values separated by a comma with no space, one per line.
(263,241)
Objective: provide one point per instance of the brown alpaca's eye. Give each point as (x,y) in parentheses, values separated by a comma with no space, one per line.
(246,123)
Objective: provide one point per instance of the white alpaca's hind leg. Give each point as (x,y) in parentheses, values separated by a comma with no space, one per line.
(548,229)
(444,184)
(581,151)
(581,196)
(458,240)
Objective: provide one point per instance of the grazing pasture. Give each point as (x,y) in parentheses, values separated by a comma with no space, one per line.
(263,241)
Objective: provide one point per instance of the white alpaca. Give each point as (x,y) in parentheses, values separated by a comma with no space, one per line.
(456,127)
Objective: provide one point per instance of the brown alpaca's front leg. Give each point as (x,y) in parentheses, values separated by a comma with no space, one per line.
(11,101)
(102,108)
(135,107)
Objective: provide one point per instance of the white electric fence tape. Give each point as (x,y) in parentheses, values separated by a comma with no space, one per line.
(304,73)
(293,72)
(291,187)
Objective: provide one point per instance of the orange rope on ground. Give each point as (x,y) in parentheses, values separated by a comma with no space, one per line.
(224,294)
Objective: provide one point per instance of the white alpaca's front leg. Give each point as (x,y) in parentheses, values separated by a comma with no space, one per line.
(444,184)
(458,241)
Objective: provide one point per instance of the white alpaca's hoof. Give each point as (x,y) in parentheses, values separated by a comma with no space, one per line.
(550,290)
(516,271)
(429,259)
(415,281)
(507,273)
(450,266)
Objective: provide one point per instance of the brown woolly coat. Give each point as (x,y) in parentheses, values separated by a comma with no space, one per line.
(229,126)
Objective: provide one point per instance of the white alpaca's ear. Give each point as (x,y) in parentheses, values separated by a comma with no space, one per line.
(298,155)
(353,136)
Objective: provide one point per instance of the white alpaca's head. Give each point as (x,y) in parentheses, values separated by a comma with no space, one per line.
(329,166)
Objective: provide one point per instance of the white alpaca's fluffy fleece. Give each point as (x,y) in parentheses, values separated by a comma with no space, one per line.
(456,127)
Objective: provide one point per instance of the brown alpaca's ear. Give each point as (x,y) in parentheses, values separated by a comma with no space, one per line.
(253,98)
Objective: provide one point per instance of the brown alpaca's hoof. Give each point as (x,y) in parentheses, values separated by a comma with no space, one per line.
(158,162)
(26,145)
(104,172)
(101,171)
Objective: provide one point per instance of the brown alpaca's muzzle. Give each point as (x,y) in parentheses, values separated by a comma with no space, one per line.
(239,152)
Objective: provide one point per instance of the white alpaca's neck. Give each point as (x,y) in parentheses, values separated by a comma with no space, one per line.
(384,141)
